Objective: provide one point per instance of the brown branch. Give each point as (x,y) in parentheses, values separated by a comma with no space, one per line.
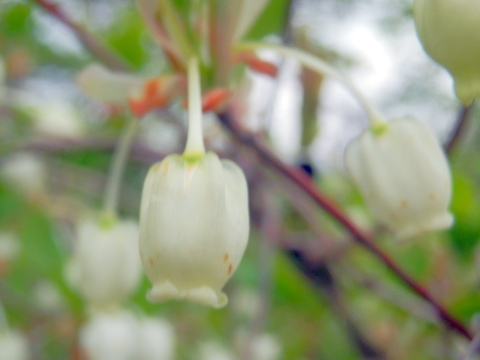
(308,187)
(457,130)
(89,41)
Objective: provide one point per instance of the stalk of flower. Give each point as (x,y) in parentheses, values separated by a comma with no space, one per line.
(105,267)
(449,31)
(194,221)
(318,65)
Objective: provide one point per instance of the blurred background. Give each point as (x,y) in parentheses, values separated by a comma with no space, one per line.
(304,290)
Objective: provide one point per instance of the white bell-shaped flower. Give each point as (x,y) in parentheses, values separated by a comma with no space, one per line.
(13,345)
(105,267)
(194,220)
(450,33)
(403,175)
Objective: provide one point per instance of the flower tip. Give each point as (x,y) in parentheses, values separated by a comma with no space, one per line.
(203,295)
(439,222)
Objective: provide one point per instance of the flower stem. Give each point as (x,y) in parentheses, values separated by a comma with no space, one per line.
(318,65)
(117,169)
(175,28)
(195,147)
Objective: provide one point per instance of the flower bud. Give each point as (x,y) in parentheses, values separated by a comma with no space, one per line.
(403,175)
(450,33)
(194,227)
(105,267)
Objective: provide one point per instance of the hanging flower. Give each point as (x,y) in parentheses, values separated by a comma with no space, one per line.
(450,33)
(403,175)
(194,220)
(105,267)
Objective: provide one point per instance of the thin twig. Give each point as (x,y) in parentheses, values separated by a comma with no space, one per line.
(309,188)
(89,41)
(460,123)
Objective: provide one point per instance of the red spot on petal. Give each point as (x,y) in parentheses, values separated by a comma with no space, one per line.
(226,257)
(230,269)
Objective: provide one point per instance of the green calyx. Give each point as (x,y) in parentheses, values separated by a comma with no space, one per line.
(192,157)
(107,220)
(379,128)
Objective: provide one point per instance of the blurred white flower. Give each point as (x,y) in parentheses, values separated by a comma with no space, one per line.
(258,346)
(122,335)
(156,339)
(403,175)
(246,302)
(105,267)
(48,296)
(13,345)
(266,347)
(110,336)
(26,172)
(141,94)
(107,85)
(58,119)
(450,33)
(214,351)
